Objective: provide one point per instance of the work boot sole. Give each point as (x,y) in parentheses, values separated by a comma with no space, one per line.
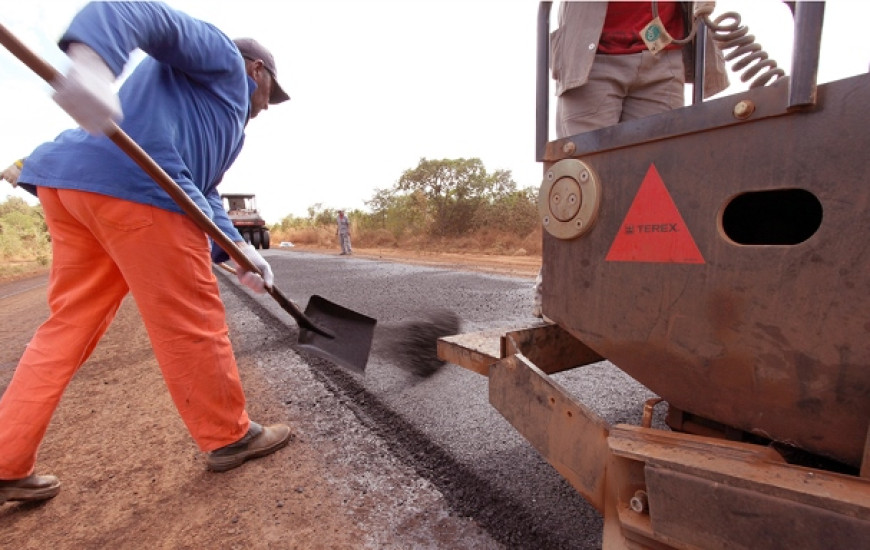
(270,440)
(26,494)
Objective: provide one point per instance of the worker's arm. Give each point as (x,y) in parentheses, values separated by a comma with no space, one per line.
(12,172)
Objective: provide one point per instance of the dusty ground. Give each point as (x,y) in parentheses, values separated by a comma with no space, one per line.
(517,266)
(132,477)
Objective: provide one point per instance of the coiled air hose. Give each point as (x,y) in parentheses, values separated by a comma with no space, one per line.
(736,44)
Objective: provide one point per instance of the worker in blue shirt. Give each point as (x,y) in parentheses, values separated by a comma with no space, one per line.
(114,231)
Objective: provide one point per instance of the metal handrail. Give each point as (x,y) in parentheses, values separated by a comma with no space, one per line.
(542,120)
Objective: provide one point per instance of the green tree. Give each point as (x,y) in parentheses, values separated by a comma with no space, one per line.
(438,198)
(512,211)
(454,190)
(399,213)
(319,216)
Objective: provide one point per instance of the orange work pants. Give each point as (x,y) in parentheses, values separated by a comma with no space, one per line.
(102,248)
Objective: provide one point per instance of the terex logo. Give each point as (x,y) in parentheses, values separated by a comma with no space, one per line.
(653,229)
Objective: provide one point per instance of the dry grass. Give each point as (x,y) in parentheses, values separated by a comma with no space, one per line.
(310,236)
(487,241)
(18,270)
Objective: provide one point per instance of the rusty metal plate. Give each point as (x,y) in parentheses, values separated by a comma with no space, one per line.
(475,351)
(766,338)
(569,435)
(712,515)
(549,347)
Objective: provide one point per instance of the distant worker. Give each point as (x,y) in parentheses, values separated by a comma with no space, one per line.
(114,232)
(343,232)
(606,74)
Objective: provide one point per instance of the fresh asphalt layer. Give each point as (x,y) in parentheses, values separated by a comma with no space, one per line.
(442,426)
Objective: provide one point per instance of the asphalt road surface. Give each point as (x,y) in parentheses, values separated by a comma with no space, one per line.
(442,425)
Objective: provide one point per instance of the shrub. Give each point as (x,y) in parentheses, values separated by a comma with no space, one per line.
(25,245)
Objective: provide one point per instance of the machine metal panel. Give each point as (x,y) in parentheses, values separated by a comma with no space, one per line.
(768,338)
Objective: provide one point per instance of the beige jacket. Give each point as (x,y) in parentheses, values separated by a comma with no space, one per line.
(574,43)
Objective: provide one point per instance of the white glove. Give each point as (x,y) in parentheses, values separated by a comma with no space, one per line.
(11,174)
(251,279)
(86,91)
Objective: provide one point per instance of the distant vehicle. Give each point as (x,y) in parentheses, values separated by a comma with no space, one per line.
(286,244)
(242,210)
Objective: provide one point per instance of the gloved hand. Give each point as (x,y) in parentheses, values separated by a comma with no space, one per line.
(86,91)
(11,174)
(251,279)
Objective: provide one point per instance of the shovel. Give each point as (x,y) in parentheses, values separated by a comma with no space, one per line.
(339,334)
(356,331)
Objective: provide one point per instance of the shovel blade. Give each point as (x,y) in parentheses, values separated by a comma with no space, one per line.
(353,334)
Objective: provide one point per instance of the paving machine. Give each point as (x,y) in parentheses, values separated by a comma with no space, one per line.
(719,254)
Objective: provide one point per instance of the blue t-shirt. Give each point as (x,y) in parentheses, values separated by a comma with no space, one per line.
(186,105)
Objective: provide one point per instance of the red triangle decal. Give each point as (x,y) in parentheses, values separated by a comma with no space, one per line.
(653,229)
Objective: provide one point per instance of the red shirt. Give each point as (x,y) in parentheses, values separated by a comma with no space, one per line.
(625,20)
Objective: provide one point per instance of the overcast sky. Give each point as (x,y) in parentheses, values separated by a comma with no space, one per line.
(376,85)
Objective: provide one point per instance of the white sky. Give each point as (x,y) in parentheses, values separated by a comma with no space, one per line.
(376,85)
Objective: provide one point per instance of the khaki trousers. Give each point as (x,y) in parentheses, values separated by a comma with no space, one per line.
(102,248)
(620,88)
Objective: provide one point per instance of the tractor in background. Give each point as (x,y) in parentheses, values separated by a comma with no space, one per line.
(242,210)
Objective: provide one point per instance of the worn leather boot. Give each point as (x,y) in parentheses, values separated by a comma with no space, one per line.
(259,441)
(32,487)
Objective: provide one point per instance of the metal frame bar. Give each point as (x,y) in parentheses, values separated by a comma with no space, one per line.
(542,118)
(808,20)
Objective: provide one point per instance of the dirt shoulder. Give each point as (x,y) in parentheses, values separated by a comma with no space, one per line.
(133,478)
(518,266)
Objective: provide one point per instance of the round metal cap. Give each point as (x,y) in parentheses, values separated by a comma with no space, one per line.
(569,199)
